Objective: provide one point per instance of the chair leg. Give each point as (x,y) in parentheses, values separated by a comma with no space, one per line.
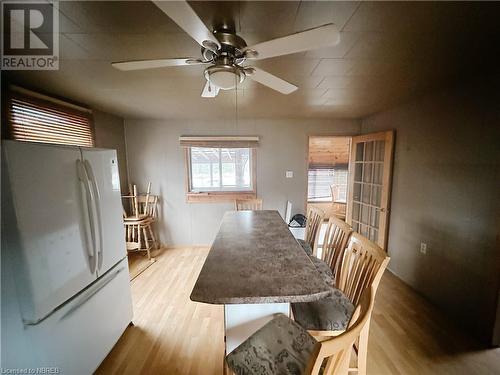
(146,242)
(363,349)
(157,247)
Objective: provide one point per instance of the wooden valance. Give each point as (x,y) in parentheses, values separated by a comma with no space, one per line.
(219,142)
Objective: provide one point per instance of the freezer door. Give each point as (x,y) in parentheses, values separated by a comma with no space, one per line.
(51,247)
(79,335)
(102,168)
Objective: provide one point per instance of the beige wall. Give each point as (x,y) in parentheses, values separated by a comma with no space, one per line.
(110,133)
(446,193)
(154,155)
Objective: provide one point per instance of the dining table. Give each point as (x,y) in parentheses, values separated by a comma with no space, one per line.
(255,268)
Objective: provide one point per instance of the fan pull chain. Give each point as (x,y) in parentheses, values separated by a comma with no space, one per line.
(236,101)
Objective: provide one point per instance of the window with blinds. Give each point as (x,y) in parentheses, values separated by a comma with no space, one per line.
(36,120)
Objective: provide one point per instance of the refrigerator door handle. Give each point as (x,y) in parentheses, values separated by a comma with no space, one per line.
(83,297)
(97,203)
(87,294)
(91,250)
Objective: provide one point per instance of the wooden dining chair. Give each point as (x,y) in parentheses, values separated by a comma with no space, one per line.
(338,207)
(248,204)
(337,235)
(263,352)
(314,220)
(138,225)
(362,267)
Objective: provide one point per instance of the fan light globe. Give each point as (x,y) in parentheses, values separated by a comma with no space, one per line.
(226,80)
(225,77)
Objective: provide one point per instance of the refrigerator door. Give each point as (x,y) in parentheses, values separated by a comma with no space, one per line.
(79,335)
(51,248)
(102,168)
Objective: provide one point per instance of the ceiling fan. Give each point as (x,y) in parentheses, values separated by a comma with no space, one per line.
(224,52)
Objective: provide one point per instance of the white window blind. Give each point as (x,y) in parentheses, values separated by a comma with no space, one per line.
(35,120)
(320,182)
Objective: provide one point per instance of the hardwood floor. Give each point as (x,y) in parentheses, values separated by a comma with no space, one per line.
(173,335)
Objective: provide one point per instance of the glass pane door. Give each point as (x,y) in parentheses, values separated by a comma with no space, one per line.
(369,185)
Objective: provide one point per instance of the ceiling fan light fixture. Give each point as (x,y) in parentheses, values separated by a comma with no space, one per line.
(225,77)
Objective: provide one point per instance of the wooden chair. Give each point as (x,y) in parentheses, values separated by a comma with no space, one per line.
(314,220)
(337,235)
(262,353)
(361,268)
(337,350)
(138,226)
(338,207)
(248,204)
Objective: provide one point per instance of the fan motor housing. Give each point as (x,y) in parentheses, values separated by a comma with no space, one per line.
(231,45)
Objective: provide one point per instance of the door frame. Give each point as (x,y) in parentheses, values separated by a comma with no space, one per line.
(350,136)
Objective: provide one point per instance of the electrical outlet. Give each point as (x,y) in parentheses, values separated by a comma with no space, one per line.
(423,248)
(289,174)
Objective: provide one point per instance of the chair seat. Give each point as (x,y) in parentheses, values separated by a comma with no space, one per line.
(321,266)
(279,347)
(331,313)
(135,221)
(305,245)
(324,270)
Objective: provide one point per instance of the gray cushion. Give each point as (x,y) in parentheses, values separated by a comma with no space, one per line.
(305,245)
(324,270)
(328,314)
(280,347)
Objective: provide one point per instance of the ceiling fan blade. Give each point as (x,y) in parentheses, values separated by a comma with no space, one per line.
(183,15)
(271,81)
(158,63)
(209,91)
(319,37)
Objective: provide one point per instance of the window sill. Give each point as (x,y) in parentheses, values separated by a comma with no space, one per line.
(219,196)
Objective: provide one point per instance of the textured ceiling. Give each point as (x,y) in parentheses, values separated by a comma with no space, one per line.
(389,52)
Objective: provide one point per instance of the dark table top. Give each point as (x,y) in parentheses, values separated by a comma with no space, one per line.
(256,259)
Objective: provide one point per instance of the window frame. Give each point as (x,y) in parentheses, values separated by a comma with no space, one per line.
(219,195)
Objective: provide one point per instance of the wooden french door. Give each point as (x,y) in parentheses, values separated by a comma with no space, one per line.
(370,174)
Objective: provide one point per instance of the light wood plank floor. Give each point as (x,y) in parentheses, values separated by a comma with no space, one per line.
(173,335)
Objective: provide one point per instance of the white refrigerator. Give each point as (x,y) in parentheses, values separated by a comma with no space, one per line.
(65,282)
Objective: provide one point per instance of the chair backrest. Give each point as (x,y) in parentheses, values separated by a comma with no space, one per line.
(337,350)
(337,234)
(150,208)
(248,204)
(335,192)
(314,220)
(140,205)
(363,265)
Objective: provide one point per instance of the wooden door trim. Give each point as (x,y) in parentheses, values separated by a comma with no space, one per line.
(385,200)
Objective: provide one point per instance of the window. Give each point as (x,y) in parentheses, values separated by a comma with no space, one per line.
(35,118)
(220,169)
(220,173)
(320,182)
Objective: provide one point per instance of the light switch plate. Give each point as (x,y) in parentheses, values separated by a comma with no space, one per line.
(423,248)
(289,174)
